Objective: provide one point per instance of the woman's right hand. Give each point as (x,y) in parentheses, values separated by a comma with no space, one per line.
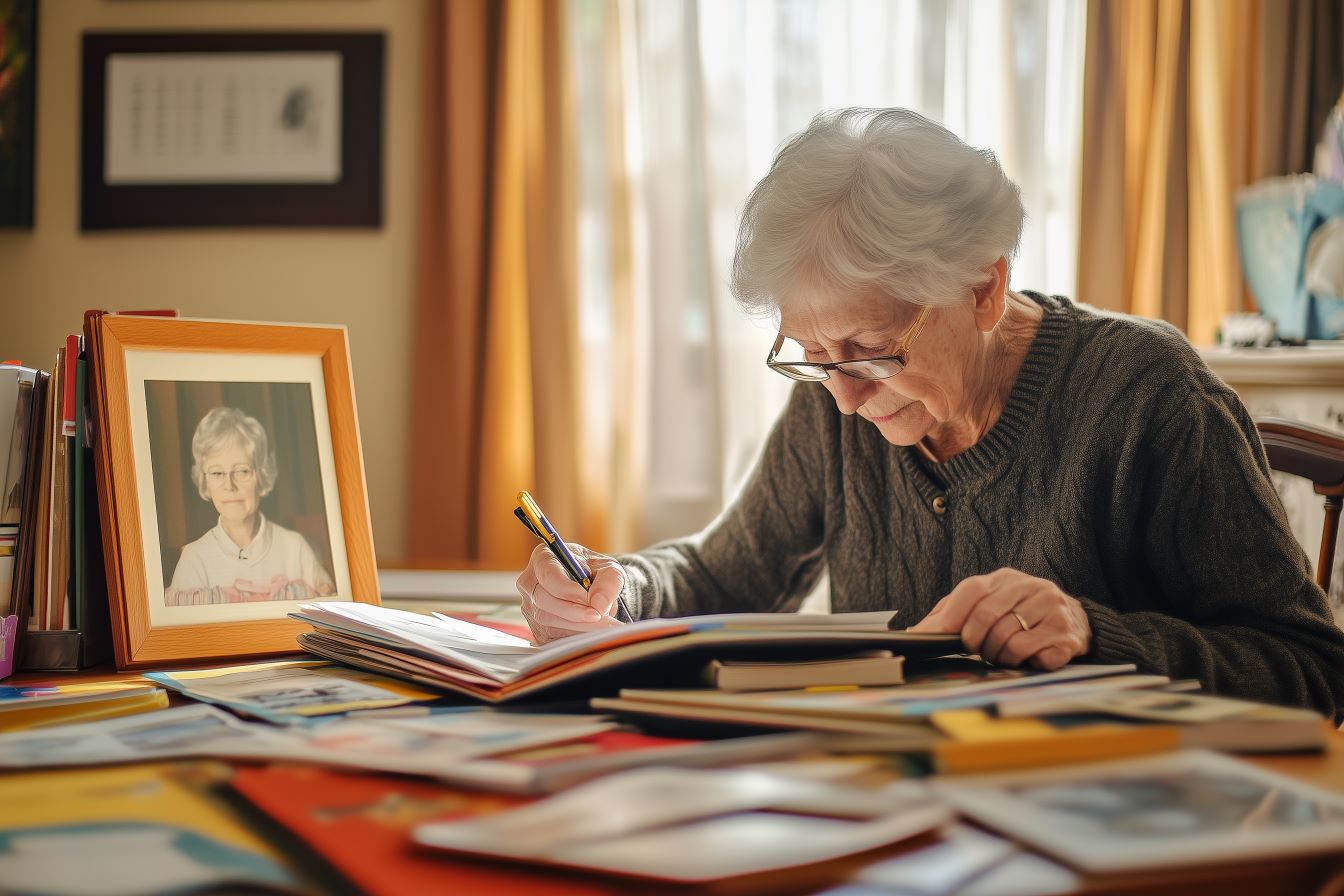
(555,605)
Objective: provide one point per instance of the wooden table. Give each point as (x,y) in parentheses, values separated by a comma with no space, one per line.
(1312,875)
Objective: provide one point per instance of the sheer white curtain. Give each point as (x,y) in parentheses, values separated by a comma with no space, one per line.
(681,107)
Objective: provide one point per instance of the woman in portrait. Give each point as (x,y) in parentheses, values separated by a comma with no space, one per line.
(245,557)
(1053,482)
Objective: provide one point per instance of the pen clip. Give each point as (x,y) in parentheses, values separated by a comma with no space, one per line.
(518,512)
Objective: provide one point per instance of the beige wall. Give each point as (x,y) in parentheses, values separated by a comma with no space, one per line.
(361,278)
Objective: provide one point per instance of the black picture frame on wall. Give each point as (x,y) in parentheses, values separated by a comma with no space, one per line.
(172,66)
(18,111)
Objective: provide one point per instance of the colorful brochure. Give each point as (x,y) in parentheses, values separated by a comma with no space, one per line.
(131,831)
(43,705)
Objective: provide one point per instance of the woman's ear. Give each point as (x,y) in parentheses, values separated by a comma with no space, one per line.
(990,296)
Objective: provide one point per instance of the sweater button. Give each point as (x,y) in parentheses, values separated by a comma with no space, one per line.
(940,505)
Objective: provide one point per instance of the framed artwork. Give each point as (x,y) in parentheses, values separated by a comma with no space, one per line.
(231,483)
(18,110)
(199,129)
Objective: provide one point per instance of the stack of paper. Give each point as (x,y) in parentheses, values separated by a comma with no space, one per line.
(903,709)
(998,718)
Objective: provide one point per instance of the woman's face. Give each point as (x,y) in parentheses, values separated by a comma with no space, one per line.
(933,392)
(231,481)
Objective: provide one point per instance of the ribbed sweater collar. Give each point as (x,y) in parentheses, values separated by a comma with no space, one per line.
(1022,406)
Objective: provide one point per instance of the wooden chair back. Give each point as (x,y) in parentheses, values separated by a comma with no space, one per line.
(1315,454)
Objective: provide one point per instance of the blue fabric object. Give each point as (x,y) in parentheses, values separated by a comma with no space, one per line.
(1275,221)
(1325,313)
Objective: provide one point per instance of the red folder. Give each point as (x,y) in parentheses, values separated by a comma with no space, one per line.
(360,824)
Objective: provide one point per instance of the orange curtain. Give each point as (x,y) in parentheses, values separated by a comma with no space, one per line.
(1185,101)
(495,394)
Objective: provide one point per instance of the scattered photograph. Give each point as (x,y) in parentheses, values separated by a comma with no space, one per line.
(183,731)
(289,692)
(1187,808)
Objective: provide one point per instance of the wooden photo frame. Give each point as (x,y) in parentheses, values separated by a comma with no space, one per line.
(247,129)
(230,483)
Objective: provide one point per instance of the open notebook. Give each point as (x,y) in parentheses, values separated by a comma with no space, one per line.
(457,655)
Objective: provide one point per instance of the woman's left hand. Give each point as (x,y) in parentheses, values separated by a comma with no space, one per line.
(1011,618)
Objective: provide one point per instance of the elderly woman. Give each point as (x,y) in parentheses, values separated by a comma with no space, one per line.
(245,557)
(1052,482)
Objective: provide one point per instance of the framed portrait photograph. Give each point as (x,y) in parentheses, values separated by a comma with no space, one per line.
(18,111)
(198,129)
(231,483)
(1186,808)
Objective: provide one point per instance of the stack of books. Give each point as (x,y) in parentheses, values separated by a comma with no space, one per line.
(964,713)
(51,576)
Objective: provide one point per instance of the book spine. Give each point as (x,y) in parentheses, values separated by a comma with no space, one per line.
(79,505)
(1080,745)
(68,386)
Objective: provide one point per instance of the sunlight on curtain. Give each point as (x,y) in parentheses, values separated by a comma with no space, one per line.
(680,109)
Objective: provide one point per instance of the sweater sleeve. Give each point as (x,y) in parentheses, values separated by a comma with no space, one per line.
(1245,616)
(763,553)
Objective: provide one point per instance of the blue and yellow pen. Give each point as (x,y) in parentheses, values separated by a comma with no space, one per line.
(529,512)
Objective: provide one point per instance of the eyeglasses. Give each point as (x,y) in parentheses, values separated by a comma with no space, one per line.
(240,475)
(880,368)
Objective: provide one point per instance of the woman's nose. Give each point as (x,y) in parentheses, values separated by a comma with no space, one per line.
(849,393)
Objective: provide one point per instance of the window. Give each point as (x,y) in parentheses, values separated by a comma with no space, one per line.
(680,109)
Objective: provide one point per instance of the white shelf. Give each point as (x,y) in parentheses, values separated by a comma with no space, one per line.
(489,587)
(1312,365)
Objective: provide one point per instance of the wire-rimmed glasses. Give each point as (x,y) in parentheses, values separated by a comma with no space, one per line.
(239,475)
(879,368)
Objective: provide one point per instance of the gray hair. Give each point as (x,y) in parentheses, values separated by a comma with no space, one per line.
(876,198)
(219,426)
